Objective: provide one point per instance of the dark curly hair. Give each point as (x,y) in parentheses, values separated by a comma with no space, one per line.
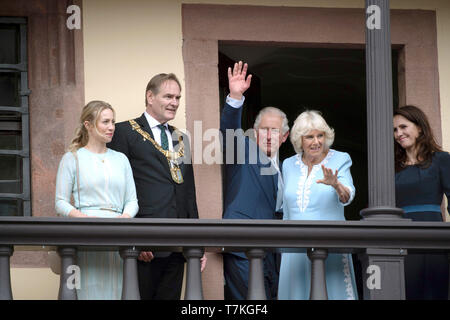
(426,143)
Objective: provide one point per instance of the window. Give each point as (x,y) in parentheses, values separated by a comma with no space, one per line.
(14,119)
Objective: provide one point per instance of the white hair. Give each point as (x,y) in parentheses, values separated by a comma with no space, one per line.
(285,124)
(306,122)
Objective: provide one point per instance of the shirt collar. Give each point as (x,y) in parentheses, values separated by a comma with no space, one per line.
(274,160)
(274,157)
(153,123)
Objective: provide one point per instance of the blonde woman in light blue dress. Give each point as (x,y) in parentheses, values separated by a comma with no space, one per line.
(317,186)
(106,190)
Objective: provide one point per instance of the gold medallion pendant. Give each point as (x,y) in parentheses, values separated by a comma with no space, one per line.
(171,157)
(175,171)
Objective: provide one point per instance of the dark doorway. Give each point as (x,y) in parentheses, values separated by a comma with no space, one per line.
(331,80)
(295,79)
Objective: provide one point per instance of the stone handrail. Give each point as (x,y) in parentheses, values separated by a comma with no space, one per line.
(374,240)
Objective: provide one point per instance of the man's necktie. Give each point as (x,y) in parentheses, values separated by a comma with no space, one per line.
(164,141)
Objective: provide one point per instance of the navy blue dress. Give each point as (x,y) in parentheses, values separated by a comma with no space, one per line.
(419,193)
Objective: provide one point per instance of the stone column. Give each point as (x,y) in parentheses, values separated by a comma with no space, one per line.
(379,113)
(380,139)
(383,274)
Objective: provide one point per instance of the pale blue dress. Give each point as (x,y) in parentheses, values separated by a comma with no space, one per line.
(304,199)
(106,181)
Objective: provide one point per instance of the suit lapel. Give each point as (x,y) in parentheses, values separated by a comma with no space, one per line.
(142,121)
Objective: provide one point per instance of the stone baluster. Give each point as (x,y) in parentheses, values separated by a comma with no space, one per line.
(256,290)
(194,290)
(5,275)
(448,296)
(318,275)
(130,285)
(70,274)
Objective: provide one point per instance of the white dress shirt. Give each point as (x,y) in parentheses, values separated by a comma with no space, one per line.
(153,123)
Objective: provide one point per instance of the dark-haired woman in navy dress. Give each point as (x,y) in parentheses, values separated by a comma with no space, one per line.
(422,179)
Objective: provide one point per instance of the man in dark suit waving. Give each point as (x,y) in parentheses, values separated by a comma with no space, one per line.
(254,184)
(164,180)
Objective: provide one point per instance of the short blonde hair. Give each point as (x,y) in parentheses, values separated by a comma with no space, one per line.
(306,122)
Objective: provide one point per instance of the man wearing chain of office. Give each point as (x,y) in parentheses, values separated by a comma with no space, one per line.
(160,159)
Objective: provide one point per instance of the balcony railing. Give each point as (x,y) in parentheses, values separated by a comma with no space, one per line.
(380,243)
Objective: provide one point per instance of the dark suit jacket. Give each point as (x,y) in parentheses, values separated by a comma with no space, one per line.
(249,193)
(158,195)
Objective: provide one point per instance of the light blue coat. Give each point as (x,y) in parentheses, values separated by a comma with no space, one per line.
(305,199)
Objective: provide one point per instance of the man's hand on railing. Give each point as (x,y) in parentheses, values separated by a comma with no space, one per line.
(146,256)
(203,262)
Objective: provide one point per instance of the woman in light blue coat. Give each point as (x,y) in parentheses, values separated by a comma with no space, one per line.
(101,183)
(318,185)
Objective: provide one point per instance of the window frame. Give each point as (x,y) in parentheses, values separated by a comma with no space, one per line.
(22,68)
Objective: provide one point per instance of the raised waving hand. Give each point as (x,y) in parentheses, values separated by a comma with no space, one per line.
(331,179)
(237,82)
